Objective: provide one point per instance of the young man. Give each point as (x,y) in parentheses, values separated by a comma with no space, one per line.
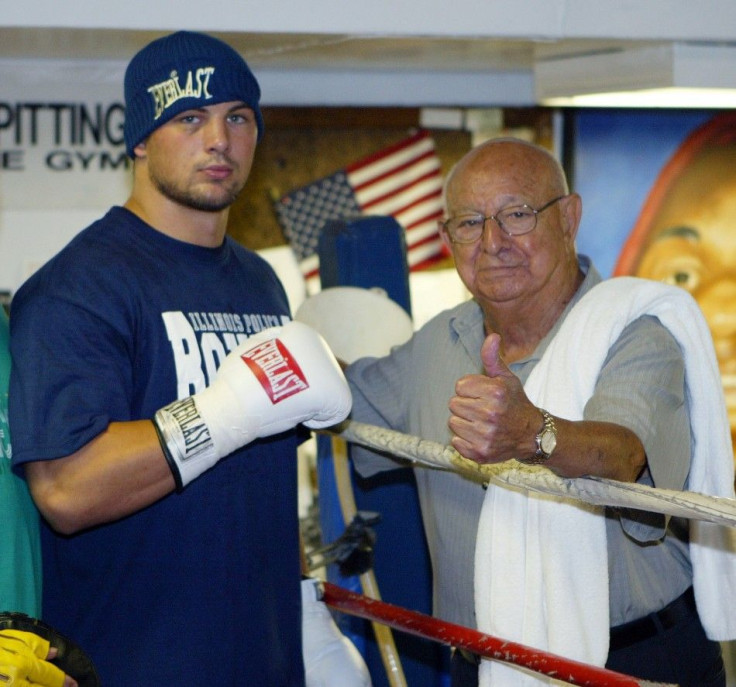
(168,488)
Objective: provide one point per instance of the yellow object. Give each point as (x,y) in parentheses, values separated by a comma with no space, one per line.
(22,661)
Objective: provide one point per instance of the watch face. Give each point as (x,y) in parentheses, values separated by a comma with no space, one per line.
(548,442)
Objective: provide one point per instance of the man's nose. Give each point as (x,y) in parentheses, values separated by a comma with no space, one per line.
(216,135)
(493,235)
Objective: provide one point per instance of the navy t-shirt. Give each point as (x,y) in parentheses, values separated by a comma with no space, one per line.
(201,587)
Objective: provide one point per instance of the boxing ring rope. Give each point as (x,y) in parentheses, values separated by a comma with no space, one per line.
(593,490)
(421,625)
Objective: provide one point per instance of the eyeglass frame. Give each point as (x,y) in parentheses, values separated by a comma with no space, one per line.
(497,221)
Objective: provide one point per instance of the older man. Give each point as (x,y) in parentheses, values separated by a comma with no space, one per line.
(511,225)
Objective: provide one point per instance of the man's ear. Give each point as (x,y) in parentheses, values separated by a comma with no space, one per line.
(572,211)
(140,149)
(444,235)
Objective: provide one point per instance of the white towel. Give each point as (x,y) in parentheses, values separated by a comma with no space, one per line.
(541,571)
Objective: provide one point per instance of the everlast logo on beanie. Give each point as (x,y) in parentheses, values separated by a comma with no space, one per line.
(182,71)
(166,93)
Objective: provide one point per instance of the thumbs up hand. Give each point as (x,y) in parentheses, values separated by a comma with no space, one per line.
(490,354)
(491,418)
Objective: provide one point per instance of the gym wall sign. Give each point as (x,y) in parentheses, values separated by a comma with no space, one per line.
(61,135)
(73,127)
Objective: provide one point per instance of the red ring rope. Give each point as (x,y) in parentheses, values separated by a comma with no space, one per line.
(412,622)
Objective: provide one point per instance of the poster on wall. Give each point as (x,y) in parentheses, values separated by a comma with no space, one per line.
(659,202)
(616,158)
(61,135)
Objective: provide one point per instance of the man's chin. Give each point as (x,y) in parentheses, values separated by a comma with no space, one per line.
(211,207)
(210,202)
(210,197)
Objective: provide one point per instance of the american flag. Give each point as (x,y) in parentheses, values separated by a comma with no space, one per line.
(403,181)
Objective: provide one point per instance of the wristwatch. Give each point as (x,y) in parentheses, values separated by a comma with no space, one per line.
(546,441)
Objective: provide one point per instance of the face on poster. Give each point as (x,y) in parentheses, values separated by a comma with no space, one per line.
(663,206)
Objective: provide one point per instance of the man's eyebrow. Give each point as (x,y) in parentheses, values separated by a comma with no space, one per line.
(679,231)
(192,110)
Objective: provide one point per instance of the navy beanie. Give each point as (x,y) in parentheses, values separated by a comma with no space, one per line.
(179,72)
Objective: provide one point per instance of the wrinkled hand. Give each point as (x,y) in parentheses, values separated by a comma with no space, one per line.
(491,418)
(23,664)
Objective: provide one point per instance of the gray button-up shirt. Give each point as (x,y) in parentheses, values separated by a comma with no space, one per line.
(641,386)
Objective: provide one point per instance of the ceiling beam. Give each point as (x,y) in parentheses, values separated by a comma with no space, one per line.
(537,19)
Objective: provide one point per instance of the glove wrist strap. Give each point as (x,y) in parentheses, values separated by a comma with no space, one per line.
(169,458)
(186,440)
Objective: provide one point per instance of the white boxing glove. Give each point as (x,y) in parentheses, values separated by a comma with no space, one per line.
(330,658)
(275,380)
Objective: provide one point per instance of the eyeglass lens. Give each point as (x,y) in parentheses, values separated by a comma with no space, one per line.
(515,221)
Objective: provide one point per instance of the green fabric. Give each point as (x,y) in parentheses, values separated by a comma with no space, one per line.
(20,548)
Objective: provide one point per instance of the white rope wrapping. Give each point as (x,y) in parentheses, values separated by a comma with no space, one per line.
(593,490)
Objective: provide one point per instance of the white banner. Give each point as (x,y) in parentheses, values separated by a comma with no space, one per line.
(61,135)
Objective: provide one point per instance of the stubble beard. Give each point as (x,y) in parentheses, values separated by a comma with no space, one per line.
(203,201)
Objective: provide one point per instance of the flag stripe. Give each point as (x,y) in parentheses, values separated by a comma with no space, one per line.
(389,158)
(310,264)
(403,181)
(426,241)
(399,184)
(424,191)
(433,217)
(411,211)
(415,212)
(420,233)
(431,178)
(431,249)
(417,166)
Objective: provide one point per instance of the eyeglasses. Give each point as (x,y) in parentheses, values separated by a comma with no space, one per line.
(514,221)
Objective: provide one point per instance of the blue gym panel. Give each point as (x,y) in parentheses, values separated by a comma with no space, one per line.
(366,252)
(370,252)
